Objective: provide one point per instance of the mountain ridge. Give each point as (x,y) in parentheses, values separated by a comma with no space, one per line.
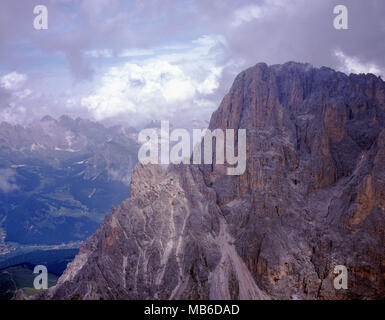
(312,198)
(59,177)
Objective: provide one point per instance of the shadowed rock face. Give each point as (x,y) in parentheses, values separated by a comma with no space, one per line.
(312,197)
(313,193)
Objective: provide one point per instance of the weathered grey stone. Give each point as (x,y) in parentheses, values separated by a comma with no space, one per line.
(312,197)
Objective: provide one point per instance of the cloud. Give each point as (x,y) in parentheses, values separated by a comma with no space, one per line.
(266,9)
(23,94)
(354,65)
(108,53)
(86,39)
(11,93)
(159,87)
(7,180)
(14,114)
(13,80)
(281,31)
(4,97)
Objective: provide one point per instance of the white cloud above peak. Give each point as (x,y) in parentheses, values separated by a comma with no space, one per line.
(261,10)
(13,80)
(354,65)
(160,85)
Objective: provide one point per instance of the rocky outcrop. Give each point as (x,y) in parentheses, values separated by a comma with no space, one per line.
(308,200)
(312,197)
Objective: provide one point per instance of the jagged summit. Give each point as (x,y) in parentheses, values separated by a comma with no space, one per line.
(47,118)
(312,197)
(291,66)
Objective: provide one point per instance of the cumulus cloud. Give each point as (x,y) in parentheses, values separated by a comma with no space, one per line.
(14,96)
(14,114)
(13,80)
(159,87)
(259,11)
(8,180)
(354,65)
(12,93)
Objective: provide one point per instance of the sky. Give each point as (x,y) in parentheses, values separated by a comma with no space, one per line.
(133,61)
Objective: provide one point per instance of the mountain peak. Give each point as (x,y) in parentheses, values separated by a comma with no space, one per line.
(47,118)
(65,118)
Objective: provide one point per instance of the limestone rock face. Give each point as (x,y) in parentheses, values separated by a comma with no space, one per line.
(312,197)
(168,241)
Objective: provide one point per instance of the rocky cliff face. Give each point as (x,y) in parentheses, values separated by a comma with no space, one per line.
(312,197)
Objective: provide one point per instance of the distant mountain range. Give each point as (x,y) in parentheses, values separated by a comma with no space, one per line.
(59,177)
